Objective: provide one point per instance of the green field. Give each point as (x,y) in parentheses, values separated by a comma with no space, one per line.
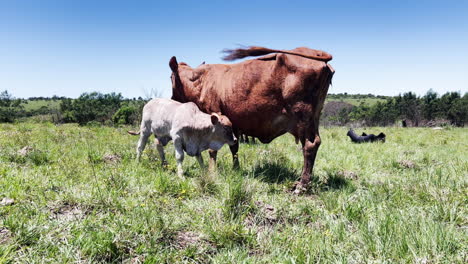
(36,104)
(51,104)
(79,196)
(356,102)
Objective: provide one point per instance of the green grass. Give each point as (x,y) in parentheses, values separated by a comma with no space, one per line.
(36,104)
(80,197)
(356,102)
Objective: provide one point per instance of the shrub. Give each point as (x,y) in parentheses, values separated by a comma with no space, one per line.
(91,107)
(10,107)
(126,115)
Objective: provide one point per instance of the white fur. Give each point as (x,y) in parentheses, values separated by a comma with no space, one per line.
(189,128)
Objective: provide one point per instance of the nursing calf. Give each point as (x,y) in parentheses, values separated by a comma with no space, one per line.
(191,130)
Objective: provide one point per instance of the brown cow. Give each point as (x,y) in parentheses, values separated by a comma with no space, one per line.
(263,97)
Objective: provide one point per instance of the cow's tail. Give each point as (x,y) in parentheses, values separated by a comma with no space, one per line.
(134,133)
(254,51)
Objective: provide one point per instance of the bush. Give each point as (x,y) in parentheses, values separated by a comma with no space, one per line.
(10,108)
(126,115)
(91,107)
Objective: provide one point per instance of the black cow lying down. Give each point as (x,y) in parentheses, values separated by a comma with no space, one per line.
(365,138)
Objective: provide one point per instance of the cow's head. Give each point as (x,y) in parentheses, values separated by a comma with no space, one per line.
(177,85)
(182,78)
(381,137)
(222,129)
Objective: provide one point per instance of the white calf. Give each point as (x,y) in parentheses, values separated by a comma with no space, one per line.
(191,129)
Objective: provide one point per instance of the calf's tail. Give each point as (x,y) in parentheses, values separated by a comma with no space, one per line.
(134,133)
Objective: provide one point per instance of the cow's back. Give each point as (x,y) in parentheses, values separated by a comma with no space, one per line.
(260,96)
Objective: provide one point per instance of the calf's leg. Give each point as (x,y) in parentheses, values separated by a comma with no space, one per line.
(200,161)
(179,154)
(142,143)
(212,162)
(160,149)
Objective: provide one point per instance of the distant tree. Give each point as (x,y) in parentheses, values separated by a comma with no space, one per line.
(409,107)
(10,108)
(446,101)
(430,105)
(458,112)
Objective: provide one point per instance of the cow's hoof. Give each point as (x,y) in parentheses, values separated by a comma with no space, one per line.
(299,188)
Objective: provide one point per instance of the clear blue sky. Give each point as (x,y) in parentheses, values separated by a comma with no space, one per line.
(66,48)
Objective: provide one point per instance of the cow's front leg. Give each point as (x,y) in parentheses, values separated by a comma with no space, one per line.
(309,150)
(310,144)
(179,154)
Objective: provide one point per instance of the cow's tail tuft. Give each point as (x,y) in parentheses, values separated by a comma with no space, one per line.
(254,51)
(234,54)
(134,133)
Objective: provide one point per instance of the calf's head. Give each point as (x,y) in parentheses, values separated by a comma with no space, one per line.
(222,129)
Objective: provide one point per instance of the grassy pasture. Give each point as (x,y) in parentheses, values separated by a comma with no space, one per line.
(30,105)
(79,196)
(357,101)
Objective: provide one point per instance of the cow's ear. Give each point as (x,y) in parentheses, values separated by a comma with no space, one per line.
(214,118)
(173,64)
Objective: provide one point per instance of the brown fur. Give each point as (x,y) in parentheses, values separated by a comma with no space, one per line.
(264,97)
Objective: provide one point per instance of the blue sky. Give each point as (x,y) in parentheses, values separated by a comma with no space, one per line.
(66,48)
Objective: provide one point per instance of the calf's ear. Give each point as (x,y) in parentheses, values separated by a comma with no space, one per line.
(173,64)
(214,118)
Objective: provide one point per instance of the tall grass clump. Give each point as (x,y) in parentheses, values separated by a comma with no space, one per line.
(238,200)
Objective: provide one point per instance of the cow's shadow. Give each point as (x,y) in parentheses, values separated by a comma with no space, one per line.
(277,173)
(333,182)
(274,173)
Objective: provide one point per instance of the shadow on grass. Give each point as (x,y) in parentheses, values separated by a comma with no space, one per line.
(332,182)
(275,173)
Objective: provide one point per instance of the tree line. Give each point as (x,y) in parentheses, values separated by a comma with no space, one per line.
(408,108)
(89,108)
(112,108)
